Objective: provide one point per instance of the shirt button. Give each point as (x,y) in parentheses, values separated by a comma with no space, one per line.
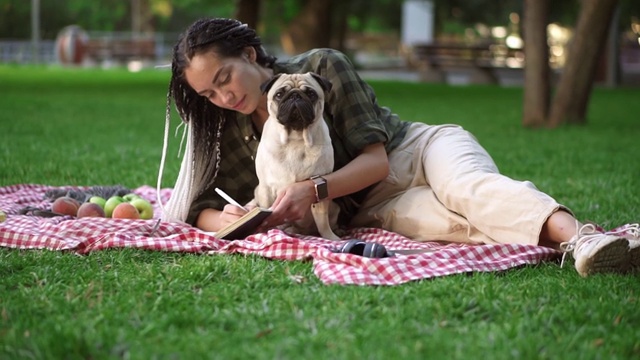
(254,137)
(252,158)
(246,138)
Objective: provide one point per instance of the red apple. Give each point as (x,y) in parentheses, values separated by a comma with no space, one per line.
(65,206)
(125,211)
(90,210)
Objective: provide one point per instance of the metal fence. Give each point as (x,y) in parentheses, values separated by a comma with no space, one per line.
(23,52)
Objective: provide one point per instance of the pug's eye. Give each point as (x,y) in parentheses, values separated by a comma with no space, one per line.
(311,94)
(278,95)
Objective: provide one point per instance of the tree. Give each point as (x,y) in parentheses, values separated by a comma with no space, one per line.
(574,88)
(311,28)
(536,72)
(248,11)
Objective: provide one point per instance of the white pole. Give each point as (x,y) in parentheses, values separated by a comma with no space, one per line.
(35,30)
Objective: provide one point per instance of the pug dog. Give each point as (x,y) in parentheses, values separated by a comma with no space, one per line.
(295,146)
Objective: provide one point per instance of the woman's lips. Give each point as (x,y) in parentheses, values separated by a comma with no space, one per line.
(239,105)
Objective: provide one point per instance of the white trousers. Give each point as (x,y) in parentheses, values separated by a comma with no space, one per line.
(444,186)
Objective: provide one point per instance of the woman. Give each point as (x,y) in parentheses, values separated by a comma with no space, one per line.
(425,182)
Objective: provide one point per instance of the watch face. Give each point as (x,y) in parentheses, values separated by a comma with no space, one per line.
(322,191)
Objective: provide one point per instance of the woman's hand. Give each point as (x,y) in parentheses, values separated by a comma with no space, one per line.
(214,220)
(292,203)
(230,213)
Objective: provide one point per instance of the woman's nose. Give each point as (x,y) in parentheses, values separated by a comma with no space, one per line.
(228,98)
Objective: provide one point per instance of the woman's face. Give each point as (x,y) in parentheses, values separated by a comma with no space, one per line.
(229,83)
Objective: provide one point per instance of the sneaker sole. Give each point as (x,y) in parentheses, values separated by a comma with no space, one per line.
(611,258)
(634,254)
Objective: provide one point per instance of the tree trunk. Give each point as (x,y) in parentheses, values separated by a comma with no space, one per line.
(536,71)
(576,82)
(248,11)
(141,17)
(311,28)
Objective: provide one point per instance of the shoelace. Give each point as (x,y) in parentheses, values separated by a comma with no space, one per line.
(585,234)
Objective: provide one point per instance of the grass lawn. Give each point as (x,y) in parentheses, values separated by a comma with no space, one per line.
(81,127)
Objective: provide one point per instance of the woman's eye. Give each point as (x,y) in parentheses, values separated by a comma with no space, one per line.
(226,79)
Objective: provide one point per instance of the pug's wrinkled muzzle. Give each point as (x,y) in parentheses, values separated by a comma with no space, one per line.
(296,111)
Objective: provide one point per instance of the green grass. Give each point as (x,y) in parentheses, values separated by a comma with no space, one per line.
(79,127)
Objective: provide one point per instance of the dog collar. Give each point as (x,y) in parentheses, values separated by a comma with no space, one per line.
(322,190)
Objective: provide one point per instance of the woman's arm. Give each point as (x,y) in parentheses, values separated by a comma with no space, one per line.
(368,168)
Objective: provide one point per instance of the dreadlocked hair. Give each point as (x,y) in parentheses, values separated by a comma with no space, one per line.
(203,120)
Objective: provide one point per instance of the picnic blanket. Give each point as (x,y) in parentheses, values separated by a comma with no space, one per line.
(85,235)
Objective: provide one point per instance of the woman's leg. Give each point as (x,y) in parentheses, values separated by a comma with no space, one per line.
(465,179)
(560,227)
(455,193)
(444,186)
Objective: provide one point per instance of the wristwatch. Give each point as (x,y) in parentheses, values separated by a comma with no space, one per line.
(322,191)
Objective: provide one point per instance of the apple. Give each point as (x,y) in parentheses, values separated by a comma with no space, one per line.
(3,216)
(98,200)
(125,210)
(90,209)
(130,197)
(65,205)
(144,208)
(111,204)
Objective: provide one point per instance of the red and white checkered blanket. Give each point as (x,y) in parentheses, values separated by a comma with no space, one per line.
(91,234)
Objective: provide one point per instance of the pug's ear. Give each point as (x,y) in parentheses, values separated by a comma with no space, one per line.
(325,84)
(269,83)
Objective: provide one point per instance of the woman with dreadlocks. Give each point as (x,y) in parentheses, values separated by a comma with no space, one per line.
(427,182)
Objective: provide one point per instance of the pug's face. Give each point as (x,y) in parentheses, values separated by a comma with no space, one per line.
(296,100)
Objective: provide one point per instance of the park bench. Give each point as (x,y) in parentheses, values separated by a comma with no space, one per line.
(121,50)
(439,60)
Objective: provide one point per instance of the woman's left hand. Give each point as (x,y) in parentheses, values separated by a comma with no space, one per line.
(293,203)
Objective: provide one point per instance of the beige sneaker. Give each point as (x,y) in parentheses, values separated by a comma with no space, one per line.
(597,252)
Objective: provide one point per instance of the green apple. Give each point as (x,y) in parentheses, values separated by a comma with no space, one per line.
(111,204)
(130,197)
(98,200)
(144,208)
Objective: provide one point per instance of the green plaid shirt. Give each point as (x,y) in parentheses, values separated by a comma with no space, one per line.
(352,113)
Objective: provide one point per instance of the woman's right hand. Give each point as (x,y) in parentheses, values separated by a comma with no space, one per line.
(214,220)
(230,213)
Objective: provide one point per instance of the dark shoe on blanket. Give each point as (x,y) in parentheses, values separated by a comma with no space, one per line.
(363,248)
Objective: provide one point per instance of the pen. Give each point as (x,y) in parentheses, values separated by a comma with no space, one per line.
(229,199)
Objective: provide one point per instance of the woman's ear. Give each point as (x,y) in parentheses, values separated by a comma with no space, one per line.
(250,53)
